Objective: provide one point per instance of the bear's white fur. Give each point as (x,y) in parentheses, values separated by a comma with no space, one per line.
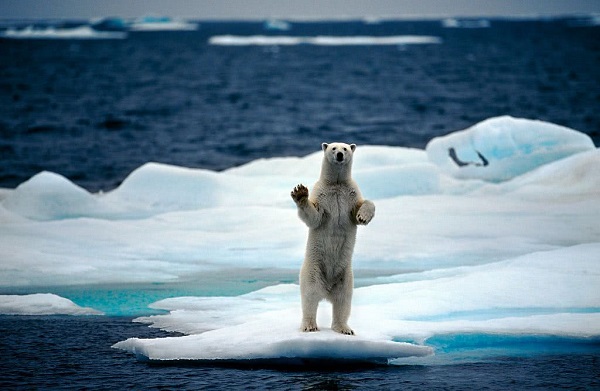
(332,212)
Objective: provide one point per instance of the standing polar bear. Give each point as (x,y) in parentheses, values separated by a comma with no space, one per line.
(332,211)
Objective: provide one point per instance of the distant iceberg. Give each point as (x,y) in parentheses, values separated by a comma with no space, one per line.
(277,25)
(372,20)
(268,40)
(466,23)
(109,24)
(161,23)
(81,32)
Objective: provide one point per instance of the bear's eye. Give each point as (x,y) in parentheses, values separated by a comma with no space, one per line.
(333,148)
(345,149)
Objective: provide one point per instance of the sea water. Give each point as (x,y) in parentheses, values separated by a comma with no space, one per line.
(95,111)
(74,353)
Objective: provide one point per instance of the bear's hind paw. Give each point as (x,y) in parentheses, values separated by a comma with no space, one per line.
(343,330)
(309,327)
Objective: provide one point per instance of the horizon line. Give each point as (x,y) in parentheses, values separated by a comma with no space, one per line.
(337,18)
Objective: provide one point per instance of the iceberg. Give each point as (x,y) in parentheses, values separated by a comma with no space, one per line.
(466,23)
(81,32)
(161,23)
(502,148)
(41,304)
(276,25)
(459,257)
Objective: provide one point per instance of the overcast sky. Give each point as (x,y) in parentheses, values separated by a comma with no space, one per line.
(310,9)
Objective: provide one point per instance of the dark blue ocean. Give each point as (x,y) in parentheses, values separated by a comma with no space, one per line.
(94,110)
(74,353)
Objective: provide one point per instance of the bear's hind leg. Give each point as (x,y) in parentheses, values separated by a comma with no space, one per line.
(342,301)
(310,303)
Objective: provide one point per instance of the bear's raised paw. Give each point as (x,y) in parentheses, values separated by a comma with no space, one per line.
(299,194)
(365,213)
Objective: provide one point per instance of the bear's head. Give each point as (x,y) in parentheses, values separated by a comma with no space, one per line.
(338,153)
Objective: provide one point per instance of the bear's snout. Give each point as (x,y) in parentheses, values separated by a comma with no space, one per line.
(339,157)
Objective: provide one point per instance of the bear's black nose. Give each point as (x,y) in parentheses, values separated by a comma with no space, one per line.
(339,156)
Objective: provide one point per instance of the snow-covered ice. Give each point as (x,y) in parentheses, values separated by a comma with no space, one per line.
(41,304)
(260,325)
(500,239)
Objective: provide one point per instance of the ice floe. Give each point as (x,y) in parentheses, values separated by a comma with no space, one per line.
(536,294)
(50,32)
(466,23)
(280,40)
(161,23)
(41,304)
(503,245)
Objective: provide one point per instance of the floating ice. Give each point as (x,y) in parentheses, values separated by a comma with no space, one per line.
(161,23)
(447,257)
(271,339)
(466,23)
(502,148)
(280,40)
(536,294)
(277,25)
(262,325)
(41,304)
(81,32)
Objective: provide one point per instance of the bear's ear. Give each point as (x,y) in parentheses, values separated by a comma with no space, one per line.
(352,147)
(324,146)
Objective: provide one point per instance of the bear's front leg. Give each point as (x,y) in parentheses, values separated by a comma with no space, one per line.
(365,212)
(307,210)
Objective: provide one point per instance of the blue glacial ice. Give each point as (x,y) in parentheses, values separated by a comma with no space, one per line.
(501,251)
(502,148)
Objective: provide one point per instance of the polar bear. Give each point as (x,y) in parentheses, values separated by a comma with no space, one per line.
(332,212)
